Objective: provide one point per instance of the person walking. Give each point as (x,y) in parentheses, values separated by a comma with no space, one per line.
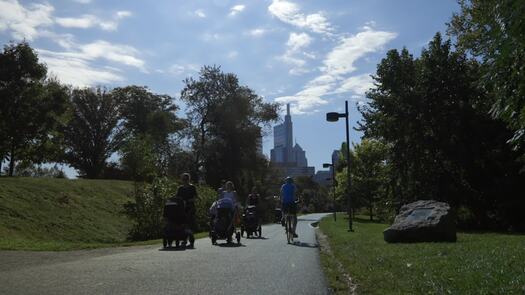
(188,193)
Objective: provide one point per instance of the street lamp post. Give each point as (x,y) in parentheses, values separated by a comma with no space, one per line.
(332,167)
(334,117)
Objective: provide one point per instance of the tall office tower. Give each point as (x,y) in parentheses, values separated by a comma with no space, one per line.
(290,159)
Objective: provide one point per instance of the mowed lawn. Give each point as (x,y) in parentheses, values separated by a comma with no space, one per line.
(478,263)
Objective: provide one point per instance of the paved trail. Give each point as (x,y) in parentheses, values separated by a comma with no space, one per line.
(258,266)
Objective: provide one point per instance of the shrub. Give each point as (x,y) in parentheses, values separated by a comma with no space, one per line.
(148,204)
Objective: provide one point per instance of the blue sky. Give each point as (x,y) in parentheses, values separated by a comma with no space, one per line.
(312,54)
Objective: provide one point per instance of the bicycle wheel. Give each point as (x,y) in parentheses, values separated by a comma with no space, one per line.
(289,229)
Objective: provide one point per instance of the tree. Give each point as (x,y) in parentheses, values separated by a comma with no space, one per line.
(442,144)
(149,119)
(226,121)
(369,175)
(139,159)
(493,31)
(31,107)
(94,132)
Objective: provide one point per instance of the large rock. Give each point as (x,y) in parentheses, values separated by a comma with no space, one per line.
(422,221)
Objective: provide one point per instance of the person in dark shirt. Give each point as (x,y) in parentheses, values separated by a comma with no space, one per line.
(253,198)
(188,193)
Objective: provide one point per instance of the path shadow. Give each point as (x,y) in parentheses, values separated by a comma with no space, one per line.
(170,249)
(230,245)
(305,245)
(307,219)
(256,238)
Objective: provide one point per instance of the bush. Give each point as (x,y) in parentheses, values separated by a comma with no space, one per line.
(206,196)
(147,208)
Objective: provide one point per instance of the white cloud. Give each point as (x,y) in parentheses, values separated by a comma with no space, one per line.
(298,41)
(233,54)
(183,69)
(236,9)
(257,32)
(200,13)
(294,53)
(75,70)
(337,65)
(123,14)
(88,21)
(290,13)
(83,1)
(122,54)
(341,59)
(75,66)
(359,84)
(24,22)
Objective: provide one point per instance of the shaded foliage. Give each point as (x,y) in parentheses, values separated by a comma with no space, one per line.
(146,209)
(94,132)
(442,144)
(493,31)
(31,107)
(226,121)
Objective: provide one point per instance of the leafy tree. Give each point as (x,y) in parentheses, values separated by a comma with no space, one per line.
(225,120)
(493,31)
(151,121)
(138,159)
(442,143)
(94,132)
(369,175)
(31,107)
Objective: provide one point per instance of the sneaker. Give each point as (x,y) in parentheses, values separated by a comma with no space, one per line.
(295,236)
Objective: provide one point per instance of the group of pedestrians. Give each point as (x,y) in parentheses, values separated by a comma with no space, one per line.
(227,196)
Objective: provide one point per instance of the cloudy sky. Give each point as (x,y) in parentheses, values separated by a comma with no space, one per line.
(312,54)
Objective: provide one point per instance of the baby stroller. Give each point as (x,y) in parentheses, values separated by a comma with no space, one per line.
(278,215)
(251,222)
(223,226)
(176,228)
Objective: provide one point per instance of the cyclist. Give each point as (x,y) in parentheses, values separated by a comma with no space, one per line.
(288,201)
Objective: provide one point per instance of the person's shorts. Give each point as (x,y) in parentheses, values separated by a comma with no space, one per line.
(289,208)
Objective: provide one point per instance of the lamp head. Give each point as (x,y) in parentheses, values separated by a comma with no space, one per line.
(332,117)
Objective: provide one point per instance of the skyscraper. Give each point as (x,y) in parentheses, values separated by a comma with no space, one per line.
(290,159)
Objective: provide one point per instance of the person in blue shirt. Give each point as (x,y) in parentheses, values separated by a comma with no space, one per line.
(288,201)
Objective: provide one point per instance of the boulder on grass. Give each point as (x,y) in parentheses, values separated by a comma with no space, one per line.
(422,221)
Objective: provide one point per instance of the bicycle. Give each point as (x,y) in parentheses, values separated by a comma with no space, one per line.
(288,223)
(289,227)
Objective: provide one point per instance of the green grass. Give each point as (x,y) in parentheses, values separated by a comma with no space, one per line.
(56,214)
(478,263)
(63,214)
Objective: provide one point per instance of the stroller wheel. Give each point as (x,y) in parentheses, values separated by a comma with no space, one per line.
(192,241)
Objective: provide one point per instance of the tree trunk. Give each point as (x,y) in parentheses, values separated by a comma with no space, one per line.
(12,159)
(371,213)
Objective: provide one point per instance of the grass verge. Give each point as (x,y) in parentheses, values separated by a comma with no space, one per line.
(478,263)
(48,214)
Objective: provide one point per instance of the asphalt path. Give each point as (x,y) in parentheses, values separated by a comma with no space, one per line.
(258,266)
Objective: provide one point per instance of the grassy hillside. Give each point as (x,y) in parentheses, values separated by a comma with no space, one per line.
(54,214)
